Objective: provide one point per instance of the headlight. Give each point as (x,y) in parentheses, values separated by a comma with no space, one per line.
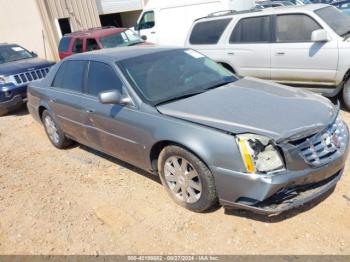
(259,154)
(3,80)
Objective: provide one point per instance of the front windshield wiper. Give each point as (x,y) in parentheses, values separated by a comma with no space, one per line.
(346,35)
(221,84)
(183,96)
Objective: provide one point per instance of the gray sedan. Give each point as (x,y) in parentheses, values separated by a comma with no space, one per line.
(211,136)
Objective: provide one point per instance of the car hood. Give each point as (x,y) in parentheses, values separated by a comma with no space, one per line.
(255,106)
(23,66)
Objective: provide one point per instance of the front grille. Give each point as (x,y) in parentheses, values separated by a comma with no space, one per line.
(28,77)
(319,149)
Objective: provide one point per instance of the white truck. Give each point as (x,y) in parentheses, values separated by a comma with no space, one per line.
(167,22)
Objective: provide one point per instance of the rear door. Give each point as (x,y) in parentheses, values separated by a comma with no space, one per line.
(65,98)
(110,128)
(295,59)
(249,46)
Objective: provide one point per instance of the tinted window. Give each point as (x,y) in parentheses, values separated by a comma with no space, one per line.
(209,32)
(295,28)
(91,44)
(102,78)
(64,44)
(70,76)
(337,20)
(78,46)
(147,20)
(252,30)
(57,82)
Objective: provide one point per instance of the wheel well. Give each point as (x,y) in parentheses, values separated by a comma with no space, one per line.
(159,146)
(228,67)
(41,110)
(346,76)
(155,152)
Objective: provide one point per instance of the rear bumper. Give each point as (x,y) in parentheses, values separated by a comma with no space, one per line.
(14,103)
(277,193)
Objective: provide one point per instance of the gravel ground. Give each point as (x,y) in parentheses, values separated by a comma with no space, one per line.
(79,201)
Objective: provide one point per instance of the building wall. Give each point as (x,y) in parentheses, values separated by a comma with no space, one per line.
(21,23)
(83,14)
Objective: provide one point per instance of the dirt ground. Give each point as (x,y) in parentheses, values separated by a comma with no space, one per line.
(79,201)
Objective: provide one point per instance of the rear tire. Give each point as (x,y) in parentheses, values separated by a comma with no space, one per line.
(346,94)
(187,179)
(54,132)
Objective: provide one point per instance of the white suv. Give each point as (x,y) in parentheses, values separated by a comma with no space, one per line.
(306,46)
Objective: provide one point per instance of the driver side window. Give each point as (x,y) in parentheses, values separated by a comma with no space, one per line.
(147,21)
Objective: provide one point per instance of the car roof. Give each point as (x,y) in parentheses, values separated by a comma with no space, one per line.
(96,32)
(121,53)
(266,11)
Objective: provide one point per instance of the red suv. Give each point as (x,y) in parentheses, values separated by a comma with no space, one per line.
(97,38)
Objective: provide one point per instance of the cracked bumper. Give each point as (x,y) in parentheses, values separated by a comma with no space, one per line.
(277,193)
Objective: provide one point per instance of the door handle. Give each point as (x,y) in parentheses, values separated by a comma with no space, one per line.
(52,100)
(90,111)
(231,53)
(280,53)
(153,32)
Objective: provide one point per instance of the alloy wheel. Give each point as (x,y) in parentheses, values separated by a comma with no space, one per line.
(52,130)
(182,179)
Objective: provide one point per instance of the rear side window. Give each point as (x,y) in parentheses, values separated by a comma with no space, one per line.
(101,78)
(295,28)
(70,76)
(64,44)
(78,46)
(252,30)
(209,32)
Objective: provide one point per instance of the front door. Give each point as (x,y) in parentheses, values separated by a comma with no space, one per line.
(249,47)
(110,128)
(295,59)
(147,27)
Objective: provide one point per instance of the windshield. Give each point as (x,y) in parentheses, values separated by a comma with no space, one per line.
(11,53)
(173,74)
(336,19)
(126,38)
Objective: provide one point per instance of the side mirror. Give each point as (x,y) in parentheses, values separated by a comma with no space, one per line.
(113,97)
(319,35)
(136,27)
(144,37)
(34,54)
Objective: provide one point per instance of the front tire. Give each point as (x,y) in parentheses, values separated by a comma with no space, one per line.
(346,94)
(187,179)
(54,132)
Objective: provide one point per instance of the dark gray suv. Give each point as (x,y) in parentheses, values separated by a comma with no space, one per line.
(211,136)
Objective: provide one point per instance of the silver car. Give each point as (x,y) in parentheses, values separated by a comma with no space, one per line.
(210,135)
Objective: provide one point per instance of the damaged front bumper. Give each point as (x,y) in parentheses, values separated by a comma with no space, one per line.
(275,193)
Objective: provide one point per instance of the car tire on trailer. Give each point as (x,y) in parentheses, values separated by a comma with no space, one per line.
(54,132)
(187,179)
